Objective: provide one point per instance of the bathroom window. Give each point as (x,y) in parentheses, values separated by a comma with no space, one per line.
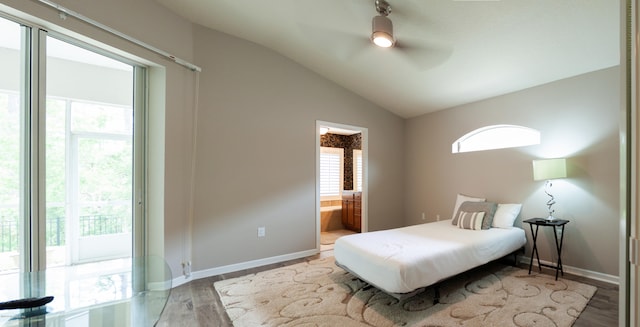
(331,172)
(357,170)
(496,137)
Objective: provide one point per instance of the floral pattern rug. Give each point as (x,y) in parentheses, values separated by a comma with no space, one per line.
(318,293)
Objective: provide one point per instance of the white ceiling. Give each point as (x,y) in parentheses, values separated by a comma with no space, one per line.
(450,52)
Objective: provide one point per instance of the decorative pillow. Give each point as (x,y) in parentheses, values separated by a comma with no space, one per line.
(470,220)
(489,209)
(459,199)
(506,215)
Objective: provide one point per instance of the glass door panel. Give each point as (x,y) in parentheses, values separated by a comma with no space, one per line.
(89,158)
(12,143)
(14,252)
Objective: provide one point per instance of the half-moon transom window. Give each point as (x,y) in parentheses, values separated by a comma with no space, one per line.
(496,137)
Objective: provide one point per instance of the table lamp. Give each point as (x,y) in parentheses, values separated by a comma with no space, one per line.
(547,170)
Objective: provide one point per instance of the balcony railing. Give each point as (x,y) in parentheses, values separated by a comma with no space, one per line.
(8,235)
(55,227)
(100,225)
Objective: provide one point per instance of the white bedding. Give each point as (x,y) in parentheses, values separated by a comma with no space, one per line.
(404,259)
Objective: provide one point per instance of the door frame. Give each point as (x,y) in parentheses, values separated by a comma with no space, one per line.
(365,177)
(629,279)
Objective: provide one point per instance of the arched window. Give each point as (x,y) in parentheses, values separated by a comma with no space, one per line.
(496,137)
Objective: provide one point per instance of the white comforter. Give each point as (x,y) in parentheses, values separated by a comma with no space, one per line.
(405,259)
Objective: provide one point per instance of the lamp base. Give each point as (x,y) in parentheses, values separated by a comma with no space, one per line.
(551,218)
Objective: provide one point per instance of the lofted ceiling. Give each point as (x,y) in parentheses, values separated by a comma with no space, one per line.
(448,53)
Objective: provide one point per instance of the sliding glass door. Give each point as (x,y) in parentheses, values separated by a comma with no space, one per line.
(68,153)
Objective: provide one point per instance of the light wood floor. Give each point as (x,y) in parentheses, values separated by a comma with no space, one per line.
(328,238)
(602,310)
(198,304)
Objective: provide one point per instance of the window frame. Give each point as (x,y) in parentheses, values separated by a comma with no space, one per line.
(507,136)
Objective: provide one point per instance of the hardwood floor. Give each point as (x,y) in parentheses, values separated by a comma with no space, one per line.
(328,238)
(602,310)
(198,304)
(603,307)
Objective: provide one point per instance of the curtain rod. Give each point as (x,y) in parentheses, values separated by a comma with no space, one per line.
(66,11)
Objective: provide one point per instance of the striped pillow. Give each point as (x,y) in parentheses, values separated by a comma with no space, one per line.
(470,220)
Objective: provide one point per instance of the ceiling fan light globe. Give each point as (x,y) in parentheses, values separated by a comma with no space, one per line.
(382,40)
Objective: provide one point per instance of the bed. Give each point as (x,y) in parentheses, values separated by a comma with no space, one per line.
(403,261)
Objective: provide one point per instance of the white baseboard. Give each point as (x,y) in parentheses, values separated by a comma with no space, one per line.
(611,279)
(240,266)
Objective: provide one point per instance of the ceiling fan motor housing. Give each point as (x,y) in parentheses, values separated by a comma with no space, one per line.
(383,7)
(382,28)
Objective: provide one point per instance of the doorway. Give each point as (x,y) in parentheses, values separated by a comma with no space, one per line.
(341,182)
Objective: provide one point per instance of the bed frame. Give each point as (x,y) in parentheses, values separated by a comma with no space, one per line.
(436,286)
(403,262)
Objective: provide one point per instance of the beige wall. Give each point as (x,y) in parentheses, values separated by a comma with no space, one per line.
(245,179)
(256,154)
(252,99)
(578,119)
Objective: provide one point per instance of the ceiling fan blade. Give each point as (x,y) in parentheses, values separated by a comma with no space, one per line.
(340,44)
(422,55)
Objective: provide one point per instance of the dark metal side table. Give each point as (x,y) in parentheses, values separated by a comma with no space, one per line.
(537,222)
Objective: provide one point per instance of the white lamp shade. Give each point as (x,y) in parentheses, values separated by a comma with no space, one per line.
(549,169)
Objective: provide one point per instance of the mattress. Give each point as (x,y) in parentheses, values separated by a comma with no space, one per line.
(405,259)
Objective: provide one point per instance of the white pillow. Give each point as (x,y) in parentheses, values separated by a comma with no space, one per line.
(506,215)
(463,198)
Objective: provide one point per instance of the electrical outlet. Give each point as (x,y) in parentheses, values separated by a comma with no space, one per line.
(186,268)
(437,217)
(423,218)
(262,232)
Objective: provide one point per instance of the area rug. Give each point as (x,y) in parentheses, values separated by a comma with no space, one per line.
(318,293)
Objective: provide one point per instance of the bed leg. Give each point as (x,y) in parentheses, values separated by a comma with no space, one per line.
(436,296)
(515,256)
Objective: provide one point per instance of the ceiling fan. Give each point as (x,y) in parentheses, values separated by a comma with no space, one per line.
(418,51)
(351,44)
(382,27)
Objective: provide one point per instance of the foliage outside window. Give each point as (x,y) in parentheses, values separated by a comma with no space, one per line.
(96,130)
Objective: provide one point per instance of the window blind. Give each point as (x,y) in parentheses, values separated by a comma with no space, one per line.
(357,170)
(331,171)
